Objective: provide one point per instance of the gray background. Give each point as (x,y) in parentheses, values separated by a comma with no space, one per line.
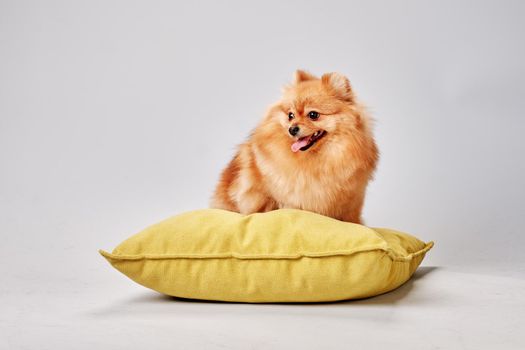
(117,114)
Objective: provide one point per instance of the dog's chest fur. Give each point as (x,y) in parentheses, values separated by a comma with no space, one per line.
(316,187)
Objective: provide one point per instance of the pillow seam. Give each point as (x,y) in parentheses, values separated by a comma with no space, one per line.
(239,256)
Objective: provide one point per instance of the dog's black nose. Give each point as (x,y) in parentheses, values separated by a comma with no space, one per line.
(293,130)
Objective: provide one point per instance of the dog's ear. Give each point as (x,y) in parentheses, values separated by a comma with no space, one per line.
(301,75)
(340,85)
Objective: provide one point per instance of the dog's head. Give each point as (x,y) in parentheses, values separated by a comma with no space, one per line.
(317,122)
(314,110)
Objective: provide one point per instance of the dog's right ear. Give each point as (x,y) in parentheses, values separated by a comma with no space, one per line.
(340,85)
(301,75)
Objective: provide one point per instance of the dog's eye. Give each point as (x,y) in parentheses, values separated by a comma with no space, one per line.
(313,115)
(291,116)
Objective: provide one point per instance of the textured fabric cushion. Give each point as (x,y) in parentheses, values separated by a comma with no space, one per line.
(284,255)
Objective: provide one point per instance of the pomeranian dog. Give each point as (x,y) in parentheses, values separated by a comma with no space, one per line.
(314,150)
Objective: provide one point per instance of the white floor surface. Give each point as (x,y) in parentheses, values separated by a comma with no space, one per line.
(440,308)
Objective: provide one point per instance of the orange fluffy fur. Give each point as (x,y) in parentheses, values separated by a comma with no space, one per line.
(329,178)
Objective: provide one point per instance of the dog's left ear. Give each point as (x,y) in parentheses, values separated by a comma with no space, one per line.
(340,85)
(301,75)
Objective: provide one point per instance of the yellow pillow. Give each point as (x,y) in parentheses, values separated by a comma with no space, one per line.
(285,255)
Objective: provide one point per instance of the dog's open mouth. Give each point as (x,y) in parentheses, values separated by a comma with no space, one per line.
(306,142)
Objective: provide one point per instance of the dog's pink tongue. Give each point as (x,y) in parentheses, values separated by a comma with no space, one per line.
(297,145)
